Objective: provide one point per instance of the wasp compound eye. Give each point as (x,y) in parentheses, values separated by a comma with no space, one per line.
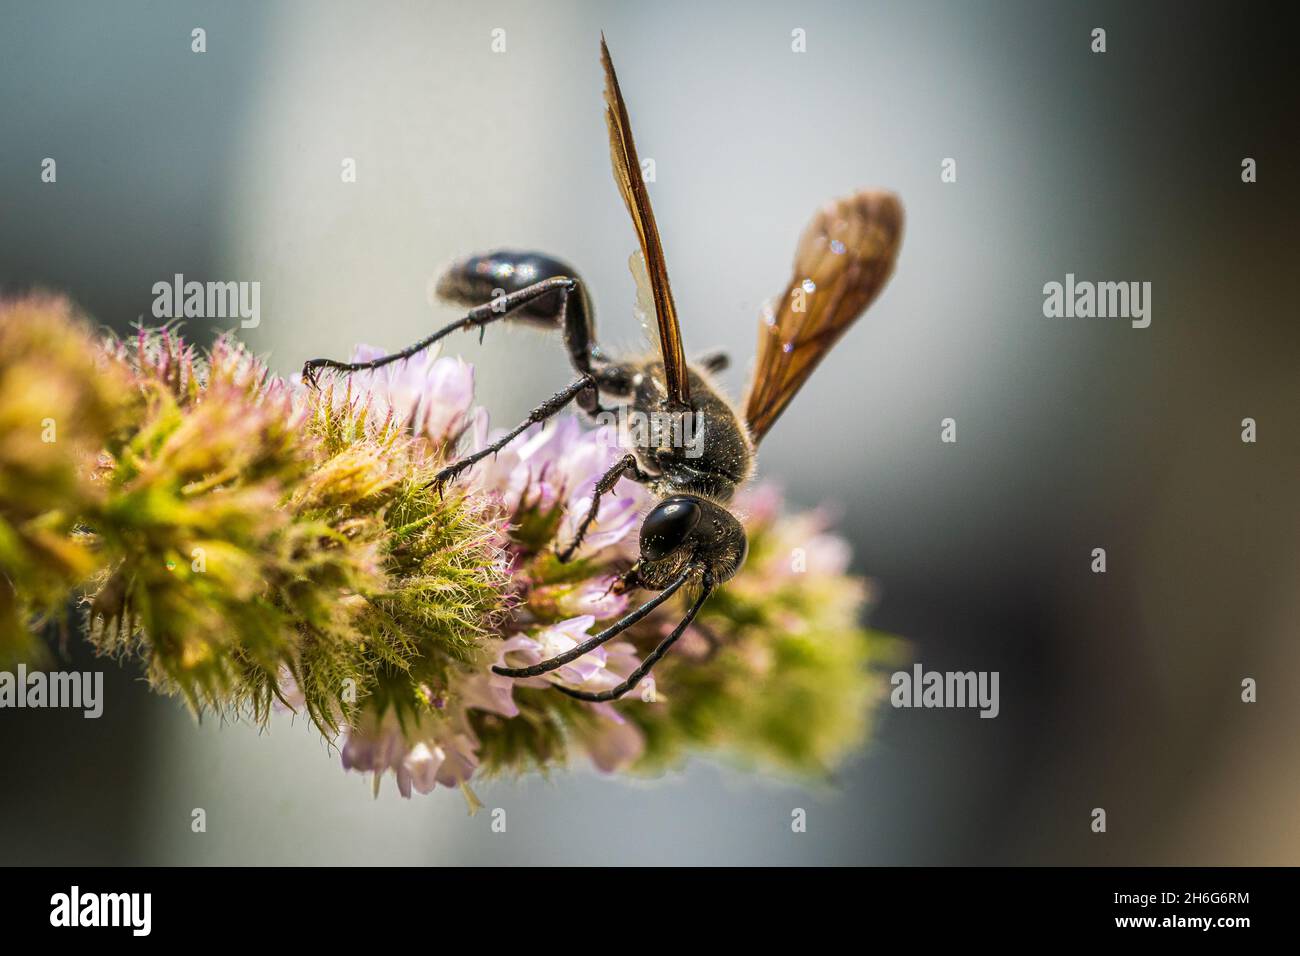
(667,527)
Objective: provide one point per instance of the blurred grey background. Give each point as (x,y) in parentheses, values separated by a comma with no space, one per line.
(1118,690)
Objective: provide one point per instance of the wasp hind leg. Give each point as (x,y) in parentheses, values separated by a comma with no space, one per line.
(576,328)
(503,272)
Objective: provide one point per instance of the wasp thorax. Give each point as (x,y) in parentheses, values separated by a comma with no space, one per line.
(686,530)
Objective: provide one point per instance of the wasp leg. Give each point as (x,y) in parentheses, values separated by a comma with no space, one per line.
(653,658)
(477,317)
(624,466)
(608,634)
(481,277)
(538,414)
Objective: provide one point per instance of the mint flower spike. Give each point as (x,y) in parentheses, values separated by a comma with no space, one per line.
(262,545)
(59,406)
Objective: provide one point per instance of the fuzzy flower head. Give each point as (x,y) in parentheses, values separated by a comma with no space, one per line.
(259,545)
(538,482)
(422,754)
(547,476)
(60,405)
(429,395)
(794,591)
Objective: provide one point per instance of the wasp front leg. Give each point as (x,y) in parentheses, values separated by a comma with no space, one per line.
(584,385)
(625,466)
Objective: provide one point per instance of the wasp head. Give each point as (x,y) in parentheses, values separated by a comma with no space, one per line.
(686,530)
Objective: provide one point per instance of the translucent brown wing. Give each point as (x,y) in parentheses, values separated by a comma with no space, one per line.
(627,174)
(845,256)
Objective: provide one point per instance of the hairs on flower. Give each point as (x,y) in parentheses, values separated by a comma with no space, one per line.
(259,545)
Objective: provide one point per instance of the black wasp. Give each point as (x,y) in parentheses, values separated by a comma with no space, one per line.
(843,259)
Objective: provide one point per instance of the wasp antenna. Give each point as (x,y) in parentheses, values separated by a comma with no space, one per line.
(611,632)
(653,658)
